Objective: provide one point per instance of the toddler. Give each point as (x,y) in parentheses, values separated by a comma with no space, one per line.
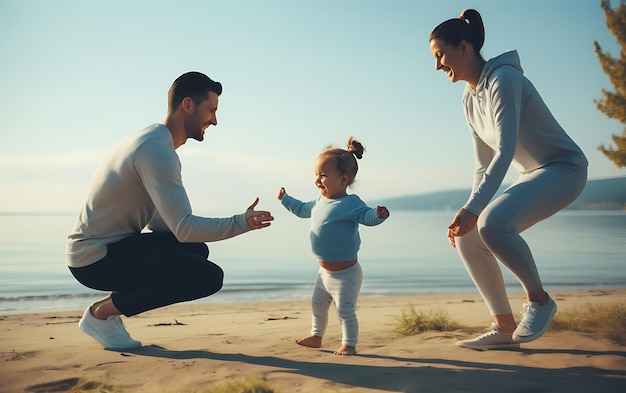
(335,216)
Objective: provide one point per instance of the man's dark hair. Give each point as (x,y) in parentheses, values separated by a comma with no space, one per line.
(194,85)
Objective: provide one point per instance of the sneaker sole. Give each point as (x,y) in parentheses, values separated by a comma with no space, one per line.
(488,347)
(533,337)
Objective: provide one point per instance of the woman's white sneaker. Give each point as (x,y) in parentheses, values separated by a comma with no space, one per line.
(495,339)
(110,332)
(535,322)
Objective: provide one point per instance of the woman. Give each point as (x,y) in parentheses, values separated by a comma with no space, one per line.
(510,125)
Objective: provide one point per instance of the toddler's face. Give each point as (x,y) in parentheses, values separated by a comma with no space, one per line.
(329,181)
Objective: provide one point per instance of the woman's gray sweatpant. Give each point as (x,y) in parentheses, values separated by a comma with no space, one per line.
(535,196)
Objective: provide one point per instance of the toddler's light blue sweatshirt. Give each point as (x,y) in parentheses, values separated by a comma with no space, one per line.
(334,224)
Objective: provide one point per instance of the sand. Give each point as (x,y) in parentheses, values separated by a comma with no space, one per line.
(189,347)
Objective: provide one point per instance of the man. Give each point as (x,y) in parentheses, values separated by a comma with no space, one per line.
(138,186)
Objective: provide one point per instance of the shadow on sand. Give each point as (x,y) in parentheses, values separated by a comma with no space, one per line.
(432,375)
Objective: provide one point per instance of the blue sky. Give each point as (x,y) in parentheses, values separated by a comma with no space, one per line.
(77,76)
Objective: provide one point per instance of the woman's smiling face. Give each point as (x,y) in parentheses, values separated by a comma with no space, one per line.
(449,59)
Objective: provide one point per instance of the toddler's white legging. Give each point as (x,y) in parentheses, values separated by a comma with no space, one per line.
(533,197)
(343,287)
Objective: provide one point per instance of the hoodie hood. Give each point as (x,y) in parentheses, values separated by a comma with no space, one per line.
(510,58)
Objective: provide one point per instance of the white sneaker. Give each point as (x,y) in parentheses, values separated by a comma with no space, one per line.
(495,339)
(110,332)
(536,321)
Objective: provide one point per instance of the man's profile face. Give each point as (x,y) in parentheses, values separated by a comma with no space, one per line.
(201,117)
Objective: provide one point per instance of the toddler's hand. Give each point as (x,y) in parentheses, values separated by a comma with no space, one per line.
(281,193)
(382,212)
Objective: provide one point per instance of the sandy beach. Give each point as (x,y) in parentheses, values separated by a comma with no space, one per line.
(189,347)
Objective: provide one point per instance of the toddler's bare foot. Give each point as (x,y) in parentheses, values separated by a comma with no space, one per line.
(310,341)
(346,350)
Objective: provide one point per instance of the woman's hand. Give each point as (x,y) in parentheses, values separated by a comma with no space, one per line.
(463,222)
(281,193)
(258,219)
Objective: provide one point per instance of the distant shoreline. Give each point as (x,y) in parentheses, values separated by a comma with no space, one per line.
(599,194)
(44,304)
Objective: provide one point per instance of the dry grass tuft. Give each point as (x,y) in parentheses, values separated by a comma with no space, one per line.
(412,321)
(607,320)
(246,385)
(93,387)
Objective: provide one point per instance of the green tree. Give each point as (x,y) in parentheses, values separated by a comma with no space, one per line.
(613,104)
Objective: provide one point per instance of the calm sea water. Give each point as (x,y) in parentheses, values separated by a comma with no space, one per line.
(408,254)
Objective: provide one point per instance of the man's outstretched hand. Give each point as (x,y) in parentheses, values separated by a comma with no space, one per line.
(258,219)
